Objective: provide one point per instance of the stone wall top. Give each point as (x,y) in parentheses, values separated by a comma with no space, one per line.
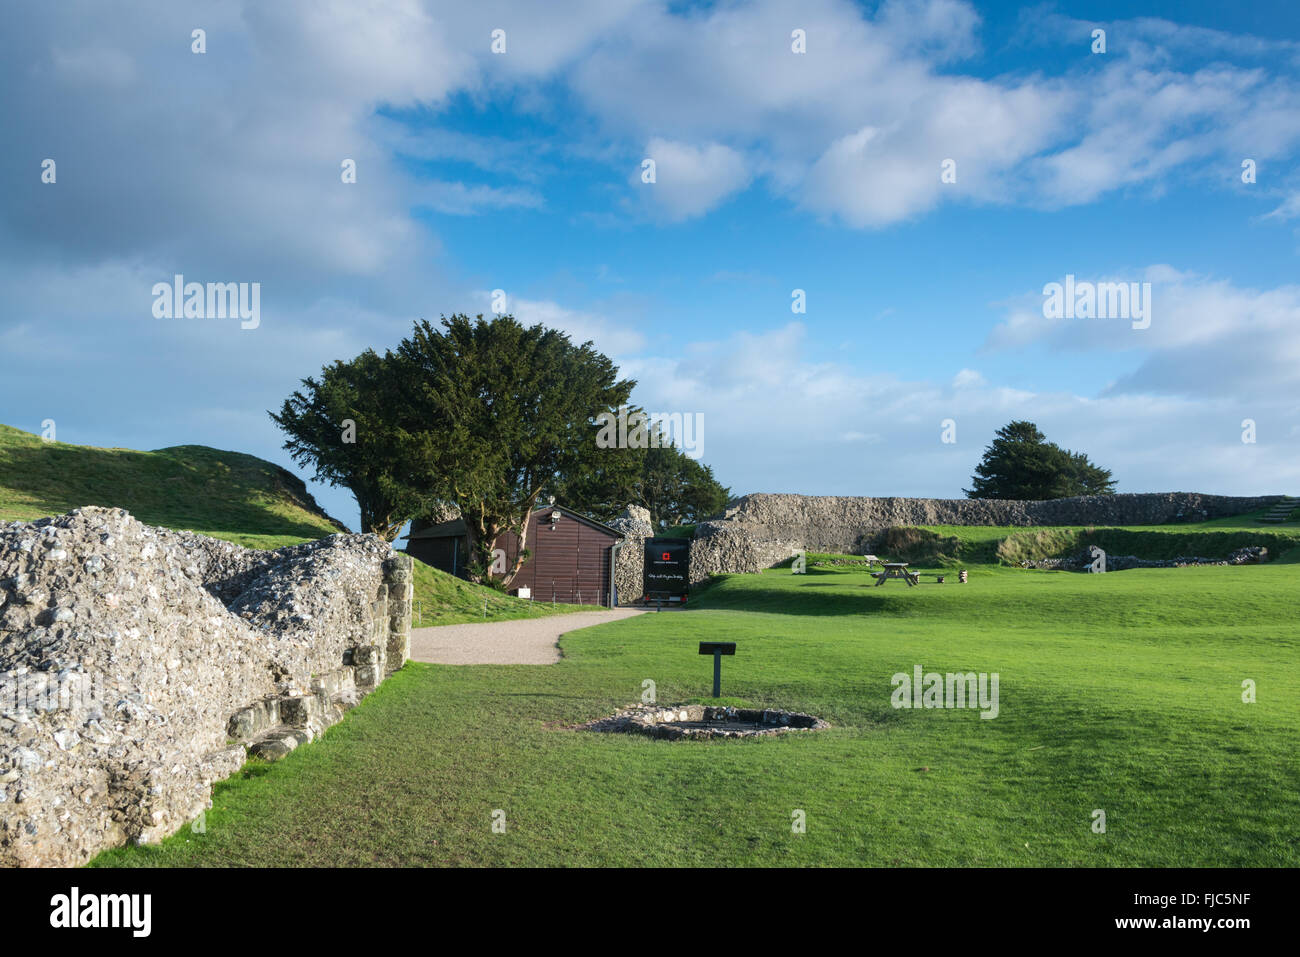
(845,523)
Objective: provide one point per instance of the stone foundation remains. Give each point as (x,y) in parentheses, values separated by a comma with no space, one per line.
(684,722)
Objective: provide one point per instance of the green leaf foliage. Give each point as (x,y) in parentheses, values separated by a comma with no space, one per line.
(1021,464)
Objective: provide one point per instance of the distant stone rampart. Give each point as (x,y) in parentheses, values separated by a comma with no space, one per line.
(848,523)
(761,530)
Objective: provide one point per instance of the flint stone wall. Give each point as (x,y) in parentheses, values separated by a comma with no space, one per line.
(728,547)
(762,530)
(139,665)
(634,525)
(848,523)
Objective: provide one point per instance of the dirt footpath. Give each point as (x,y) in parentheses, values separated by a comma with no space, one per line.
(526,641)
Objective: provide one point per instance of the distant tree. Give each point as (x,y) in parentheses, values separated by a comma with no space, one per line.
(1085,478)
(342,424)
(497,412)
(1022,464)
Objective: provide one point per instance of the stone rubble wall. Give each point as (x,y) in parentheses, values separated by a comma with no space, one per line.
(728,547)
(139,665)
(762,530)
(634,525)
(848,523)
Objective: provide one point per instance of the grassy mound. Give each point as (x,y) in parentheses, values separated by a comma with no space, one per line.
(228,495)
(442,599)
(919,546)
(941,546)
(1156,545)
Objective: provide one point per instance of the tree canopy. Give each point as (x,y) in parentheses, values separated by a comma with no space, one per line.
(1022,464)
(675,488)
(500,411)
(484,416)
(342,424)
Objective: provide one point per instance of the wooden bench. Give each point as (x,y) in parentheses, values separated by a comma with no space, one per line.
(896,570)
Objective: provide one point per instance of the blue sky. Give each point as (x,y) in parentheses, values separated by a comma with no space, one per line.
(775,171)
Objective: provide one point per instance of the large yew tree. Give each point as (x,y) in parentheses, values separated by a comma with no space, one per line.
(497,412)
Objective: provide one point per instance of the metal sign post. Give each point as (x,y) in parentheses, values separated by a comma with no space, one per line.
(717,649)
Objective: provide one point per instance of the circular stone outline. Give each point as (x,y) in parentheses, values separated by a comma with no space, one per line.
(657,721)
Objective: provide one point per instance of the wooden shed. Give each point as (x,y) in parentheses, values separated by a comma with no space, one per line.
(571,557)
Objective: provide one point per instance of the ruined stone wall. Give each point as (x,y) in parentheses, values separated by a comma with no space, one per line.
(634,524)
(729,547)
(763,530)
(138,665)
(718,547)
(848,523)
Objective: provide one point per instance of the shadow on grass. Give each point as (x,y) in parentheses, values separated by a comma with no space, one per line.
(785,601)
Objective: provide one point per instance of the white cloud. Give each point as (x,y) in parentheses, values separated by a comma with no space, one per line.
(942,30)
(612,337)
(857,127)
(460,199)
(690,180)
(1207,336)
(225,166)
(93,65)
(1289,208)
(825,428)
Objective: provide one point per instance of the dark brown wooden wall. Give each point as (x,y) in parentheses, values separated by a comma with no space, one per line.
(569,560)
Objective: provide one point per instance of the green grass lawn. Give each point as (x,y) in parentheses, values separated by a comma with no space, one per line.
(442,599)
(1119,692)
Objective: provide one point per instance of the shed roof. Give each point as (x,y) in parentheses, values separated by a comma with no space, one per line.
(456,527)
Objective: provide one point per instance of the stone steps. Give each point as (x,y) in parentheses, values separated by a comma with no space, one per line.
(1280,511)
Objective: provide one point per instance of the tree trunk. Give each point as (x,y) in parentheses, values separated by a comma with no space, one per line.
(520,530)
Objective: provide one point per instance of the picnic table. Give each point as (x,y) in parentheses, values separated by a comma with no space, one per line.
(896,570)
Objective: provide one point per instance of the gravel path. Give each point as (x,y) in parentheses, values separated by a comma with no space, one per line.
(525,641)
